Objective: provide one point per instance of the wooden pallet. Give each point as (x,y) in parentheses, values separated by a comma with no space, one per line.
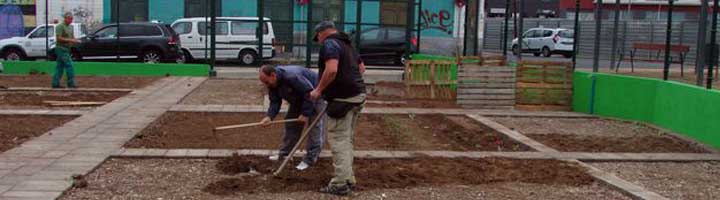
(429,80)
(544,86)
(485,86)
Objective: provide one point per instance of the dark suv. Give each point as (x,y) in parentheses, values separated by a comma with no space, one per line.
(149,42)
(385,44)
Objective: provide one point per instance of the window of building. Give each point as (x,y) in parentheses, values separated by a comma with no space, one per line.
(130,10)
(201,8)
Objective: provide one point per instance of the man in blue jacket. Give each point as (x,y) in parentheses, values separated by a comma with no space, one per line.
(294,84)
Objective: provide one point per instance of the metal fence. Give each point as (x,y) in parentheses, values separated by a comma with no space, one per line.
(629,32)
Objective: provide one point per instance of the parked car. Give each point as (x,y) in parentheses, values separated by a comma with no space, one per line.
(149,42)
(33,44)
(546,42)
(235,38)
(385,44)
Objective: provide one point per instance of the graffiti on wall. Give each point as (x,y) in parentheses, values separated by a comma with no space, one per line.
(441,20)
(85,16)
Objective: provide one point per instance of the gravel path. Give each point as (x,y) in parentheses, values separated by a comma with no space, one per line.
(693,180)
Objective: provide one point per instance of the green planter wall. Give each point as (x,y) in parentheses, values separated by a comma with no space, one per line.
(110,68)
(686,109)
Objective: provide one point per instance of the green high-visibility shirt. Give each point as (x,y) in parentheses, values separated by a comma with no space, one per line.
(65,31)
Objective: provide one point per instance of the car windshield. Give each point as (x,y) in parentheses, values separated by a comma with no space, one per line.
(566,34)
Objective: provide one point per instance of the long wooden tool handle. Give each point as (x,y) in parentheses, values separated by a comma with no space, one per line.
(253,124)
(300,141)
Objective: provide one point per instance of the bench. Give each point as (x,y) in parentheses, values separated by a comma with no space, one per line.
(681,51)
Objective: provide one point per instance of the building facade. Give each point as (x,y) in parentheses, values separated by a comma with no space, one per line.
(683,10)
(439,19)
(532,9)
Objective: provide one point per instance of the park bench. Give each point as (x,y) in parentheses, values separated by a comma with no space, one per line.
(681,51)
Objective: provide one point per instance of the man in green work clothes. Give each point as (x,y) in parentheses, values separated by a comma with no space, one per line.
(65,40)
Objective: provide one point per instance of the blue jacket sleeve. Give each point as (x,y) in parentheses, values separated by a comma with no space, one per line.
(275,103)
(302,86)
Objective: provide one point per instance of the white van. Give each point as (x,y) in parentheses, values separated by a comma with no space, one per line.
(235,38)
(33,44)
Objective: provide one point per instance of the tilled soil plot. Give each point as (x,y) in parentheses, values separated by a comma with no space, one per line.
(374,132)
(674,180)
(598,135)
(32,99)
(227,92)
(418,178)
(122,82)
(16,129)
(392,94)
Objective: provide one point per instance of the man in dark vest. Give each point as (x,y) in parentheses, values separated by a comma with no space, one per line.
(342,85)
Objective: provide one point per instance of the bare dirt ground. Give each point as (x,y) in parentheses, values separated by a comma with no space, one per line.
(374,132)
(598,135)
(420,178)
(691,180)
(122,82)
(16,129)
(227,92)
(34,99)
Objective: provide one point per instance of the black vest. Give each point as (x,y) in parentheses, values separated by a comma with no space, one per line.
(348,81)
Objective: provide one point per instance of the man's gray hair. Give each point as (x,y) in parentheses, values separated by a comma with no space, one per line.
(67,14)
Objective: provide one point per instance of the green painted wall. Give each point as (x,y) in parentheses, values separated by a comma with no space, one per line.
(685,109)
(166,11)
(239,8)
(110,69)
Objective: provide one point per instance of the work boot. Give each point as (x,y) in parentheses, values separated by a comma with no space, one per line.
(337,190)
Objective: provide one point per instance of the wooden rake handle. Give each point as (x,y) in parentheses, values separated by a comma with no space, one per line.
(252,124)
(300,141)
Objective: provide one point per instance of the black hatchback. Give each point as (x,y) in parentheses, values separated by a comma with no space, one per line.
(148,42)
(385,45)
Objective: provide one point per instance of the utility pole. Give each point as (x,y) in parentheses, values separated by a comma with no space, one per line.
(615,34)
(668,37)
(576,33)
(521,6)
(47,32)
(213,15)
(713,45)
(701,43)
(505,28)
(598,26)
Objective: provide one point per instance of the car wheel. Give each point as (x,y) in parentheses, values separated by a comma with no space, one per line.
(536,54)
(13,55)
(400,59)
(248,57)
(181,59)
(546,52)
(515,50)
(568,55)
(151,56)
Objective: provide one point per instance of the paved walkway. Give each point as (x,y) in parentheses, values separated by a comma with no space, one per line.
(41,168)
